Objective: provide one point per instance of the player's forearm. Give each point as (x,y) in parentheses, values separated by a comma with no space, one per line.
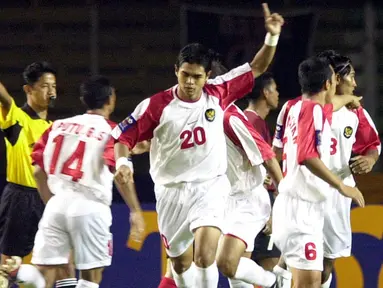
(129,194)
(141,148)
(317,167)
(262,60)
(5,98)
(278,153)
(120,150)
(274,170)
(42,184)
(339,101)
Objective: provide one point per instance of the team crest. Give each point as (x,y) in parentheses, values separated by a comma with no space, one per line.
(347,132)
(126,123)
(210,115)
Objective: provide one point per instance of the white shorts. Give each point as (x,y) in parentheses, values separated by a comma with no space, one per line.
(246,215)
(337,226)
(184,207)
(298,232)
(74,223)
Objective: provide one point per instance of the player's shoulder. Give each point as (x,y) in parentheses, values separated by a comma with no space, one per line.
(233,111)
(164,96)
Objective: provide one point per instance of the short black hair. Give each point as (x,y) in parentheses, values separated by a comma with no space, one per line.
(34,71)
(262,82)
(95,91)
(341,64)
(217,67)
(196,53)
(313,74)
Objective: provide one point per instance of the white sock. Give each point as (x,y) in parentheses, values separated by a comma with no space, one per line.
(29,274)
(327,283)
(234,283)
(86,284)
(66,283)
(283,276)
(186,279)
(207,277)
(252,273)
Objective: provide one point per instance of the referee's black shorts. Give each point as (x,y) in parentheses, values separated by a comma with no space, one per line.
(20,212)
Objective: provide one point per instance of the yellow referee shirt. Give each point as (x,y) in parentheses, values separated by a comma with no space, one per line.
(22,129)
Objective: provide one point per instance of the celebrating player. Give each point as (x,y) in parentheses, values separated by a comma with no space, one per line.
(72,170)
(353,132)
(298,214)
(187,153)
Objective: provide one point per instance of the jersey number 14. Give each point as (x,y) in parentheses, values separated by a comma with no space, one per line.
(78,155)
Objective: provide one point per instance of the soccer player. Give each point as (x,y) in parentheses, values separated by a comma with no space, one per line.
(262,100)
(188,153)
(74,161)
(298,214)
(21,207)
(354,133)
(248,205)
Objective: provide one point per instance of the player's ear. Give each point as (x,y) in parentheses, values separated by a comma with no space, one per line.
(208,74)
(327,85)
(338,78)
(27,89)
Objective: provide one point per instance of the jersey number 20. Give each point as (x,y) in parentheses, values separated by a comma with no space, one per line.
(190,138)
(78,155)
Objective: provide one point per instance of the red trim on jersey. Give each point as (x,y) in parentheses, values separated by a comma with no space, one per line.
(366,138)
(109,149)
(232,89)
(265,149)
(260,125)
(146,123)
(307,137)
(231,235)
(328,111)
(38,149)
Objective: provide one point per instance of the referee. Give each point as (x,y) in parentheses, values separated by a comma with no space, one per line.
(20,206)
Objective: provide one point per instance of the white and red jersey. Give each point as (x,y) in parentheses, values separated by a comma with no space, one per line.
(77,154)
(187,138)
(246,151)
(307,134)
(353,131)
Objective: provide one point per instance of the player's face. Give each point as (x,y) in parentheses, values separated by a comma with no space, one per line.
(272,95)
(191,79)
(347,84)
(40,92)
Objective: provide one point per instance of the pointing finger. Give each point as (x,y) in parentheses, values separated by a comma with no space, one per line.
(266,10)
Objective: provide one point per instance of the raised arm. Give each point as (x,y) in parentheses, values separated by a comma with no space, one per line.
(273,25)
(5,100)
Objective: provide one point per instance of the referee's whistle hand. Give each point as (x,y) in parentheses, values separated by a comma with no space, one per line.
(123,175)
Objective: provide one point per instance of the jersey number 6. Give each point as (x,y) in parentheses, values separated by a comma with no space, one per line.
(78,155)
(190,138)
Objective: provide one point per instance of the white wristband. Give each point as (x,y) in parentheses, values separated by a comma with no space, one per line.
(124,161)
(271,40)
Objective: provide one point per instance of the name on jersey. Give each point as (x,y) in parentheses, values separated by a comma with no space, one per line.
(210,114)
(78,129)
(126,123)
(348,131)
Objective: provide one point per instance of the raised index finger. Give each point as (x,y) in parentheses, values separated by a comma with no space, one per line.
(266,10)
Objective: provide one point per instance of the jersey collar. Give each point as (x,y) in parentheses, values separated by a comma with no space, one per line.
(31,113)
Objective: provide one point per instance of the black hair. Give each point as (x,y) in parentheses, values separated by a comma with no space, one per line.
(95,91)
(341,64)
(196,53)
(313,74)
(34,71)
(262,82)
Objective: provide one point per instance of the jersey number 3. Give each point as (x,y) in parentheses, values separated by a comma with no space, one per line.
(78,155)
(190,138)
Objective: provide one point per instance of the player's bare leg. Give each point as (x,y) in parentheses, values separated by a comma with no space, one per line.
(205,248)
(328,265)
(306,278)
(167,281)
(239,269)
(183,269)
(269,263)
(4,258)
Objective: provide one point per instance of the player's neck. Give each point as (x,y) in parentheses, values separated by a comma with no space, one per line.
(259,107)
(99,112)
(319,98)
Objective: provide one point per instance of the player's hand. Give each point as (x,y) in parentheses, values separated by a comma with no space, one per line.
(353,193)
(124,175)
(137,227)
(355,102)
(268,228)
(273,22)
(362,164)
(267,181)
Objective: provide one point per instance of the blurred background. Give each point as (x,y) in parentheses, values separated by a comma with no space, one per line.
(135,44)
